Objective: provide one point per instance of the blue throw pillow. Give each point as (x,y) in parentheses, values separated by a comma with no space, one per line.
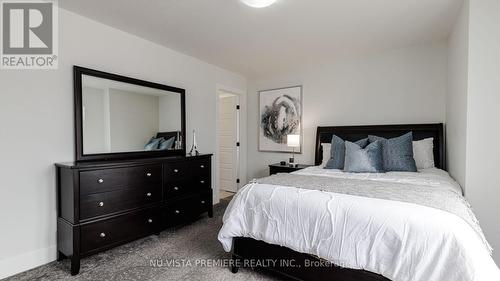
(397,153)
(337,152)
(152,144)
(166,144)
(363,160)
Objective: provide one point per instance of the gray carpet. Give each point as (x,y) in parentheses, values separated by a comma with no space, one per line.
(184,244)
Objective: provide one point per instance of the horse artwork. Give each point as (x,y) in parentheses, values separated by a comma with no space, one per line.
(280,115)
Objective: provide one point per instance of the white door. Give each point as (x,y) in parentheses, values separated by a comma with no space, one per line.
(228,138)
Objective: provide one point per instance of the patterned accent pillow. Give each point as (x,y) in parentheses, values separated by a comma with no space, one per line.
(397,153)
(363,160)
(337,152)
(152,144)
(166,143)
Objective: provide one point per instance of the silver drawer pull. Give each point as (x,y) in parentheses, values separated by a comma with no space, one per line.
(177,211)
(102,235)
(101,204)
(202,166)
(100,180)
(176,171)
(202,181)
(148,194)
(150,220)
(176,188)
(148,174)
(202,201)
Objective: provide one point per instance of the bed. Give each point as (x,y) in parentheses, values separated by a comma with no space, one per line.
(318,224)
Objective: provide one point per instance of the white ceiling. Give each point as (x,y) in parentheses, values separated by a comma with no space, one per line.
(288,34)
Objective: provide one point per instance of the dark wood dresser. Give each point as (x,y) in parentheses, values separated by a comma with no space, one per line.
(107,203)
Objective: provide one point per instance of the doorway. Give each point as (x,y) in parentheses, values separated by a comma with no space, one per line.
(229,143)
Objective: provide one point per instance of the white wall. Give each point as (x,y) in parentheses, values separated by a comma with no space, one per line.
(456,99)
(169,107)
(36,122)
(95,120)
(398,86)
(134,119)
(483,117)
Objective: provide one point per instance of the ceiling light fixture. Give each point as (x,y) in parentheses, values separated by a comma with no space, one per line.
(258,3)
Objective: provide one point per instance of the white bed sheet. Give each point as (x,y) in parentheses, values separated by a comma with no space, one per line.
(401,241)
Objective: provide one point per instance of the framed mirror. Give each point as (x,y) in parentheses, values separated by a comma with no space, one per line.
(118,117)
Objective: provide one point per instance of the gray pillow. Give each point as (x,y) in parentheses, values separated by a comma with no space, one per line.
(337,152)
(152,144)
(166,143)
(397,153)
(363,160)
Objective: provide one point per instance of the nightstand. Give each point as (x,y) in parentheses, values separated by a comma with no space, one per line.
(278,168)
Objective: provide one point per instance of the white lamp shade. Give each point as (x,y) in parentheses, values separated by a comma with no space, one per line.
(293,140)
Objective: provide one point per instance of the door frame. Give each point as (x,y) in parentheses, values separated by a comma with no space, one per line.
(242,138)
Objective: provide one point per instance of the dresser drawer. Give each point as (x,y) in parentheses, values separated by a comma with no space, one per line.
(185,210)
(119,178)
(200,167)
(115,231)
(175,171)
(178,188)
(98,204)
(201,183)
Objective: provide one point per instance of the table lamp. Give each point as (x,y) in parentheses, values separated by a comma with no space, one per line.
(293,141)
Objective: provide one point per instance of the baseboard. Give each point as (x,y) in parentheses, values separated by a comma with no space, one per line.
(26,261)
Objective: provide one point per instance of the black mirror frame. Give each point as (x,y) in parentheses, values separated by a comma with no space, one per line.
(78,72)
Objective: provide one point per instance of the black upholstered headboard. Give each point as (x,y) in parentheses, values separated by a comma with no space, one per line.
(354,133)
(168,135)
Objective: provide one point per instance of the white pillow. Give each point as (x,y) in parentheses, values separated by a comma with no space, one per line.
(423,153)
(326,153)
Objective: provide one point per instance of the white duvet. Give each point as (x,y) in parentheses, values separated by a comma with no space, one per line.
(401,241)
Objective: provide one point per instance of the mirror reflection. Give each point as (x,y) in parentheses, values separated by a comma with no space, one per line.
(122,117)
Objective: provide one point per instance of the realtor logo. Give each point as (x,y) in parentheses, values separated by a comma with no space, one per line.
(29,35)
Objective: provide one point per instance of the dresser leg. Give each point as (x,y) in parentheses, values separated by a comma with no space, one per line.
(75,265)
